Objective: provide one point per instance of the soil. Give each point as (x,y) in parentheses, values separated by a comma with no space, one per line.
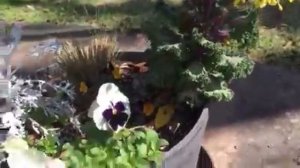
(187,122)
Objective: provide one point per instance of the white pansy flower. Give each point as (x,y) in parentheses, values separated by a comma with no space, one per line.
(111,108)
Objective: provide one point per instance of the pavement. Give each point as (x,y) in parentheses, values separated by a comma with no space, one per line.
(132,42)
(260,127)
(44,30)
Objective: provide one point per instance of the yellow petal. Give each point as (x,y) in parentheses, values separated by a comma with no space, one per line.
(272,2)
(148,108)
(291,1)
(163,116)
(236,2)
(280,7)
(263,3)
(117,72)
(257,3)
(83,88)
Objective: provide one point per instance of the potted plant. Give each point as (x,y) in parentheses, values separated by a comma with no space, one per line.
(196,66)
(131,114)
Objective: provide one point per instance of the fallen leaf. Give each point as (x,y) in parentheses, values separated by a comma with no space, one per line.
(116,72)
(163,116)
(83,88)
(148,108)
(139,67)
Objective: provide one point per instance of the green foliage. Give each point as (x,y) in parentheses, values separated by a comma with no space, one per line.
(40,116)
(209,50)
(137,147)
(93,133)
(245,29)
(219,21)
(199,64)
(49,145)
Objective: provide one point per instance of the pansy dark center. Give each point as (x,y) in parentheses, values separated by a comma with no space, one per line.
(114,111)
(115,115)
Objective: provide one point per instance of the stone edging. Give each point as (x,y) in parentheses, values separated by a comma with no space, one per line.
(40,31)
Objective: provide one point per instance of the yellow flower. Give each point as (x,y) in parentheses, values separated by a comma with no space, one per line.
(280,7)
(272,2)
(238,2)
(164,115)
(83,88)
(260,3)
(148,108)
(117,73)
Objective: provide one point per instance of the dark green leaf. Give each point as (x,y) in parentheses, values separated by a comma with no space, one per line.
(39,116)
(93,133)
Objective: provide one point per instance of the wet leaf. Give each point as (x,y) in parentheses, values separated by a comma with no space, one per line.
(163,116)
(83,88)
(148,108)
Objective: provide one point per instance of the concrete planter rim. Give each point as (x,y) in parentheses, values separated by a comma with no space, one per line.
(195,135)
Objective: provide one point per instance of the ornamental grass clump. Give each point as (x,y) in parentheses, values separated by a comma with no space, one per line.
(87,62)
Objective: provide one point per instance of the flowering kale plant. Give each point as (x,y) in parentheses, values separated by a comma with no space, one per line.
(197,64)
(210,51)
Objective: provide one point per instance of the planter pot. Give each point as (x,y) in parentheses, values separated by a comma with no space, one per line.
(186,152)
(204,160)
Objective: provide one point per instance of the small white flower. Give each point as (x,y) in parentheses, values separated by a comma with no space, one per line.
(111,108)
